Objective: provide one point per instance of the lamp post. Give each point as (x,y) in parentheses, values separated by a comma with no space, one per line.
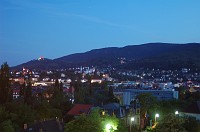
(108,127)
(156,116)
(132,119)
(176,113)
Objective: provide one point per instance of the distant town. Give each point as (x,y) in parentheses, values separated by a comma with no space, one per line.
(140,80)
(112,92)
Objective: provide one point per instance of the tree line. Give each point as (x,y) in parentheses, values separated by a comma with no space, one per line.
(28,108)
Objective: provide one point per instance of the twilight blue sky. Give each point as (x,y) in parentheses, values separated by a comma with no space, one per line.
(54,28)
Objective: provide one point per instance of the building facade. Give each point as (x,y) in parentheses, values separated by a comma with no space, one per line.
(130,94)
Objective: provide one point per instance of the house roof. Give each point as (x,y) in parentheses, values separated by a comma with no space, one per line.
(111,106)
(192,90)
(193,108)
(16,90)
(79,109)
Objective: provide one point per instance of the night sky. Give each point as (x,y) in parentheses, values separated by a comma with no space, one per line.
(54,28)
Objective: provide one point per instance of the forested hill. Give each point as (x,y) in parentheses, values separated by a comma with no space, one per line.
(151,55)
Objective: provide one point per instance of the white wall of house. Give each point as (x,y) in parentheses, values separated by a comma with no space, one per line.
(130,94)
(196,116)
(15,96)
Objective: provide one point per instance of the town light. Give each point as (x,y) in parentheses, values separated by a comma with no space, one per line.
(103,112)
(176,113)
(132,118)
(108,127)
(156,116)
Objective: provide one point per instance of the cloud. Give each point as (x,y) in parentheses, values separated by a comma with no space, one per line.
(21,4)
(53,10)
(95,20)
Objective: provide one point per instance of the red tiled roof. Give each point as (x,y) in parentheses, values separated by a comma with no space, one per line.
(79,109)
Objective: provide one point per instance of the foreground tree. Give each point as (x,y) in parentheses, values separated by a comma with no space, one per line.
(148,106)
(20,114)
(192,125)
(147,102)
(22,90)
(170,123)
(94,122)
(44,111)
(7,126)
(111,97)
(28,99)
(85,123)
(6,123)
(5,90)
(58,95)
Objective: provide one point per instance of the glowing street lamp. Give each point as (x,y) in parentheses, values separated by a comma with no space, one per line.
(132,120)
(156,116)
(176,113)
(109,128)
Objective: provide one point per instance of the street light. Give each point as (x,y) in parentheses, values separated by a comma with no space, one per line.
(156,116)
(176,113)
(108,127)
(132,119)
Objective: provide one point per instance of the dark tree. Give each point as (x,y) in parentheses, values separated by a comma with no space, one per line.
(58,96)
(22,90)
(5,89)
(147,101)
(192,125)
(28,94)
(57,89)
(57,85)
(111,97)
(61,87)
(170,123)
(110,92)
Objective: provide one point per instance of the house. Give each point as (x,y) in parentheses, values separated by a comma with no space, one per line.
(129,113)
(16,93)
(131,94)
(18,79)
(114,109)
(192,90)
(15,90)
(79,109)
(192,110)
